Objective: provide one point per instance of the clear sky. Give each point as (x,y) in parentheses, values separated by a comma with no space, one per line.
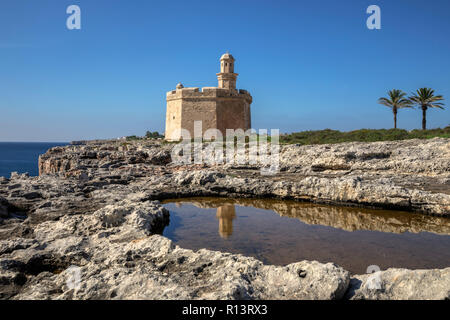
(308,64)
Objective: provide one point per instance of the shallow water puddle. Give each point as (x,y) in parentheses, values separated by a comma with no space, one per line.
(282,232)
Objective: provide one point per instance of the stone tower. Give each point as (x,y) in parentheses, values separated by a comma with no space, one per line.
(226,76)
(222,107)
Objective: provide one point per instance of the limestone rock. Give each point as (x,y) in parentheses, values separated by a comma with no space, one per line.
(95,206)
(118,258)
(3,208)
(401,284)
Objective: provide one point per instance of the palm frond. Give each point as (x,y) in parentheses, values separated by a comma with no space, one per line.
(425,98)
(385,101)
(396,100)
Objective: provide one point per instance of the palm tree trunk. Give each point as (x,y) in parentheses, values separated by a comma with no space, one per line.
(395,119)
(424,118)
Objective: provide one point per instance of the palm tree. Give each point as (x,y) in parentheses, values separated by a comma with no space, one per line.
(395,101)
(425,98)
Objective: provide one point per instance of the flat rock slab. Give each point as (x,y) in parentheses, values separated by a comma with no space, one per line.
(401,284)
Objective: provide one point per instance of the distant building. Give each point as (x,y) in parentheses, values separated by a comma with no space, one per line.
(223,107)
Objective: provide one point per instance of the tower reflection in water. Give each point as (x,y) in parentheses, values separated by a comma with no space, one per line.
(226,214)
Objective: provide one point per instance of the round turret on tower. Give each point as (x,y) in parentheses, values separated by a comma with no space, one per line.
(227,63)
(227,77)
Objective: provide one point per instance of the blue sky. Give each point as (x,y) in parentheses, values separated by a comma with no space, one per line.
(308,64)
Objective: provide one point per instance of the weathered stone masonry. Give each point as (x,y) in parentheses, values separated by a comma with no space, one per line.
(223,107)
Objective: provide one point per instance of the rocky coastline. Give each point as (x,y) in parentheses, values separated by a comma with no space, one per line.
(96,205)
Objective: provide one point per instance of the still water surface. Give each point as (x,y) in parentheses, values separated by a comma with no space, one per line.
(282,232)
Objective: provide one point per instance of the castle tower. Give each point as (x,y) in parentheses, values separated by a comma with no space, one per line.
(222,108)
(226,76)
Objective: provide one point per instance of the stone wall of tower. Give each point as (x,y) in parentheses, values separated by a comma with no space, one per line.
(233,113)
(223,107)
(203,110)
(173,117)
(217,108)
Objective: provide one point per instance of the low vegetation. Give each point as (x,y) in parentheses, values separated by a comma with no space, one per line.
(148,135)
(153,135)
(363,135)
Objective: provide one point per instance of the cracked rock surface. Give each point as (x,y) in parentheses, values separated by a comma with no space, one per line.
(96,206)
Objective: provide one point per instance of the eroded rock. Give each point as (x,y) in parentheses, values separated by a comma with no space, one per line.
(94,207)
(401,284)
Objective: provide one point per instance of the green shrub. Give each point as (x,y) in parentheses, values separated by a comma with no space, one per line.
(363,135)
(153,135)
(131,138)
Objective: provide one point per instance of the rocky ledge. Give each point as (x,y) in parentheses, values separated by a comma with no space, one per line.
(95,206)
